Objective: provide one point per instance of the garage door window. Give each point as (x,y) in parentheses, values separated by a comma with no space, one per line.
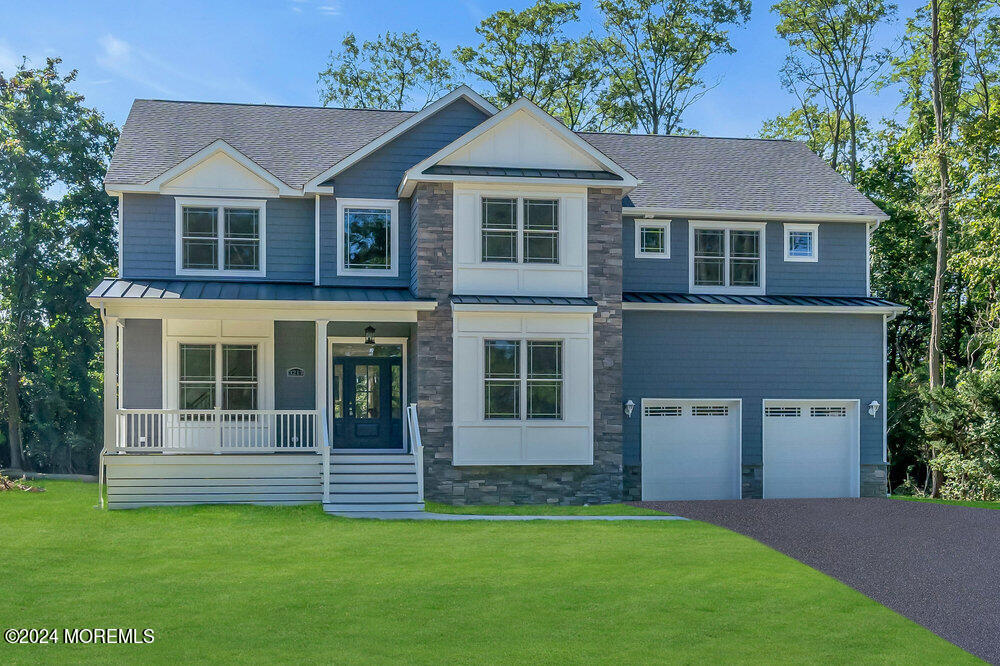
(783,412)
(710,410)
(817,412)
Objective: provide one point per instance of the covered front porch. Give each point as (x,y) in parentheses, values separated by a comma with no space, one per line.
(326,382)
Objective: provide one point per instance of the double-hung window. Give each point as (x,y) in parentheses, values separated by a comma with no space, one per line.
(519,230)
(368,233)
(218,376)
(528,383)
(220,237)
(727,258)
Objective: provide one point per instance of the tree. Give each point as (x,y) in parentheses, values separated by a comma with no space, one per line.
(833,55)
(529,54)
(654,52)
(56,241)
(817,127)
(394,71)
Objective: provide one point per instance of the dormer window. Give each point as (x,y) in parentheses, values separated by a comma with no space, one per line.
(220,237)
(519,230)
(727,257)
(801,242)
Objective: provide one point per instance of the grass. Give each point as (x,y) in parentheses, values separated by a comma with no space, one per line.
(977,504)
(544,510)
(292,585)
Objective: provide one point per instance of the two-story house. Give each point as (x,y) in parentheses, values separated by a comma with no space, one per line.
(475,305)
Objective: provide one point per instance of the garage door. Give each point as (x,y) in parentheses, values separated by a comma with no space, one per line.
(811,448)
(690,449)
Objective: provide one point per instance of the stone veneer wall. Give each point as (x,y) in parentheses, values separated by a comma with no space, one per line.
(432,211)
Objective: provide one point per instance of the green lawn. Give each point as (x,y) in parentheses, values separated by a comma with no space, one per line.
(292,585)
(544,510)
(973,503)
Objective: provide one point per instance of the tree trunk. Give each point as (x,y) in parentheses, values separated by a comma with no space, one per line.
(14,414)
(852,120)
(836,142)
(934,346)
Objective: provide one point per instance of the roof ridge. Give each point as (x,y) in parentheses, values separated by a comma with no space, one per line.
(692,136)
(276,106)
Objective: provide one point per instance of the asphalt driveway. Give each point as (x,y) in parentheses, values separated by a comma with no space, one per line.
(938,565)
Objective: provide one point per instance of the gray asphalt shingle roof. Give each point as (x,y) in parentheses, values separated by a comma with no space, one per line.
(240,291)
(731,174)
(297,143)
(294,143)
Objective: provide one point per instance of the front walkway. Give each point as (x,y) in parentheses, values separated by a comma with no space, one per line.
(426,515)
(938,565)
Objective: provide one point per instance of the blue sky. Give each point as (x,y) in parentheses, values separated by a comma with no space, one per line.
(271,51)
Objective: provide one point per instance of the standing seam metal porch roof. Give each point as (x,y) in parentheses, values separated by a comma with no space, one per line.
(247,291)
(734,299)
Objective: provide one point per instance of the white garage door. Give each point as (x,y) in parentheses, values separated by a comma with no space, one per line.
(690,449)
(811,448)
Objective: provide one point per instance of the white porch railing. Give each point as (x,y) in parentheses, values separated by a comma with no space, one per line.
(416,447)
(217,431)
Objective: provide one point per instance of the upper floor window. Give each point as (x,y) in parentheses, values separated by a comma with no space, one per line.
(727,258)
(216,237)
(520,230)
(801,242)
(652,239)
(368,230)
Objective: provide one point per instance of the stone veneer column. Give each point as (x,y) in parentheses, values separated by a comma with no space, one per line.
(432,214)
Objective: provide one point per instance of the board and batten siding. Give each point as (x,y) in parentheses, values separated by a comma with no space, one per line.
(378,175)
(149,240)
(753,356)
(840,271)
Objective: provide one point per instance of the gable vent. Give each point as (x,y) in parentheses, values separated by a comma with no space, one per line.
(816,412)
(792,412)
(710,410)
(662,411)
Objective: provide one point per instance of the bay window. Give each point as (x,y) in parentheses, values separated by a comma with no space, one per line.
(220,237)
(727,258)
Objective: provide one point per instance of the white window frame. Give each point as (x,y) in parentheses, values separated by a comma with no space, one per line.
(641,223)
(265,367)
(524,382)
(520,198)
(727,227)
(391,205)
(811,228)
(219,204)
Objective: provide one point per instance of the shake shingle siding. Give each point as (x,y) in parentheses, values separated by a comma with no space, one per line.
(753,357)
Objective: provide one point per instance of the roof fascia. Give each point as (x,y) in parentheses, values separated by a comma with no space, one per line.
(728,214)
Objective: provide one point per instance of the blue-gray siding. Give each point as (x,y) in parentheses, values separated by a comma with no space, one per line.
(377,177)
(840,271)
(753,357)
(149,239)
(142,361)
(294,347)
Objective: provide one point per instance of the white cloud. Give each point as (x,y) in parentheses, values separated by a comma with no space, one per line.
(329,9)
(114,48)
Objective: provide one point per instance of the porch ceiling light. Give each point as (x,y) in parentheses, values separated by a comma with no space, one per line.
(370,335)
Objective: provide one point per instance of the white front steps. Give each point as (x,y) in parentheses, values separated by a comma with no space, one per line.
(373,482)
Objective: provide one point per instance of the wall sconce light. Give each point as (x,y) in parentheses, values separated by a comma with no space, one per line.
(873,408)
(370,335)
(629,406)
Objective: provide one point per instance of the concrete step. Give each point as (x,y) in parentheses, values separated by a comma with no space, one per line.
(373,498)
(373,487)
(405,477)
(370,458)
(334,507)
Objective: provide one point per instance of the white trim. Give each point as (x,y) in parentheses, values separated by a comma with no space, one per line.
(789,227)
(415,173)
(855,450)
(316,241)
(462,91)
(885,394)
(816,309)
(391,205)
(120,402)
(111,372)
(217,146)
(220,204)
(641,222)
(736,214)
(501,308)
(265,364)
(687,401)
(334,339)
(373,311)
(869,229)
(121,233)
(728,226)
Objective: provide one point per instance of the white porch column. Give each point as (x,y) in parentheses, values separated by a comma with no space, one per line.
(321,365)
(111,371)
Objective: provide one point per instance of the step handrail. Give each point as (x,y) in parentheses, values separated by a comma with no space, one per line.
(416,447)
(325,450)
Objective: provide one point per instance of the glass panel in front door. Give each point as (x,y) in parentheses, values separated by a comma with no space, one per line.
(366,392)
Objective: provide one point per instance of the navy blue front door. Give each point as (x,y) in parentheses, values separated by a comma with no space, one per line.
(367,402)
